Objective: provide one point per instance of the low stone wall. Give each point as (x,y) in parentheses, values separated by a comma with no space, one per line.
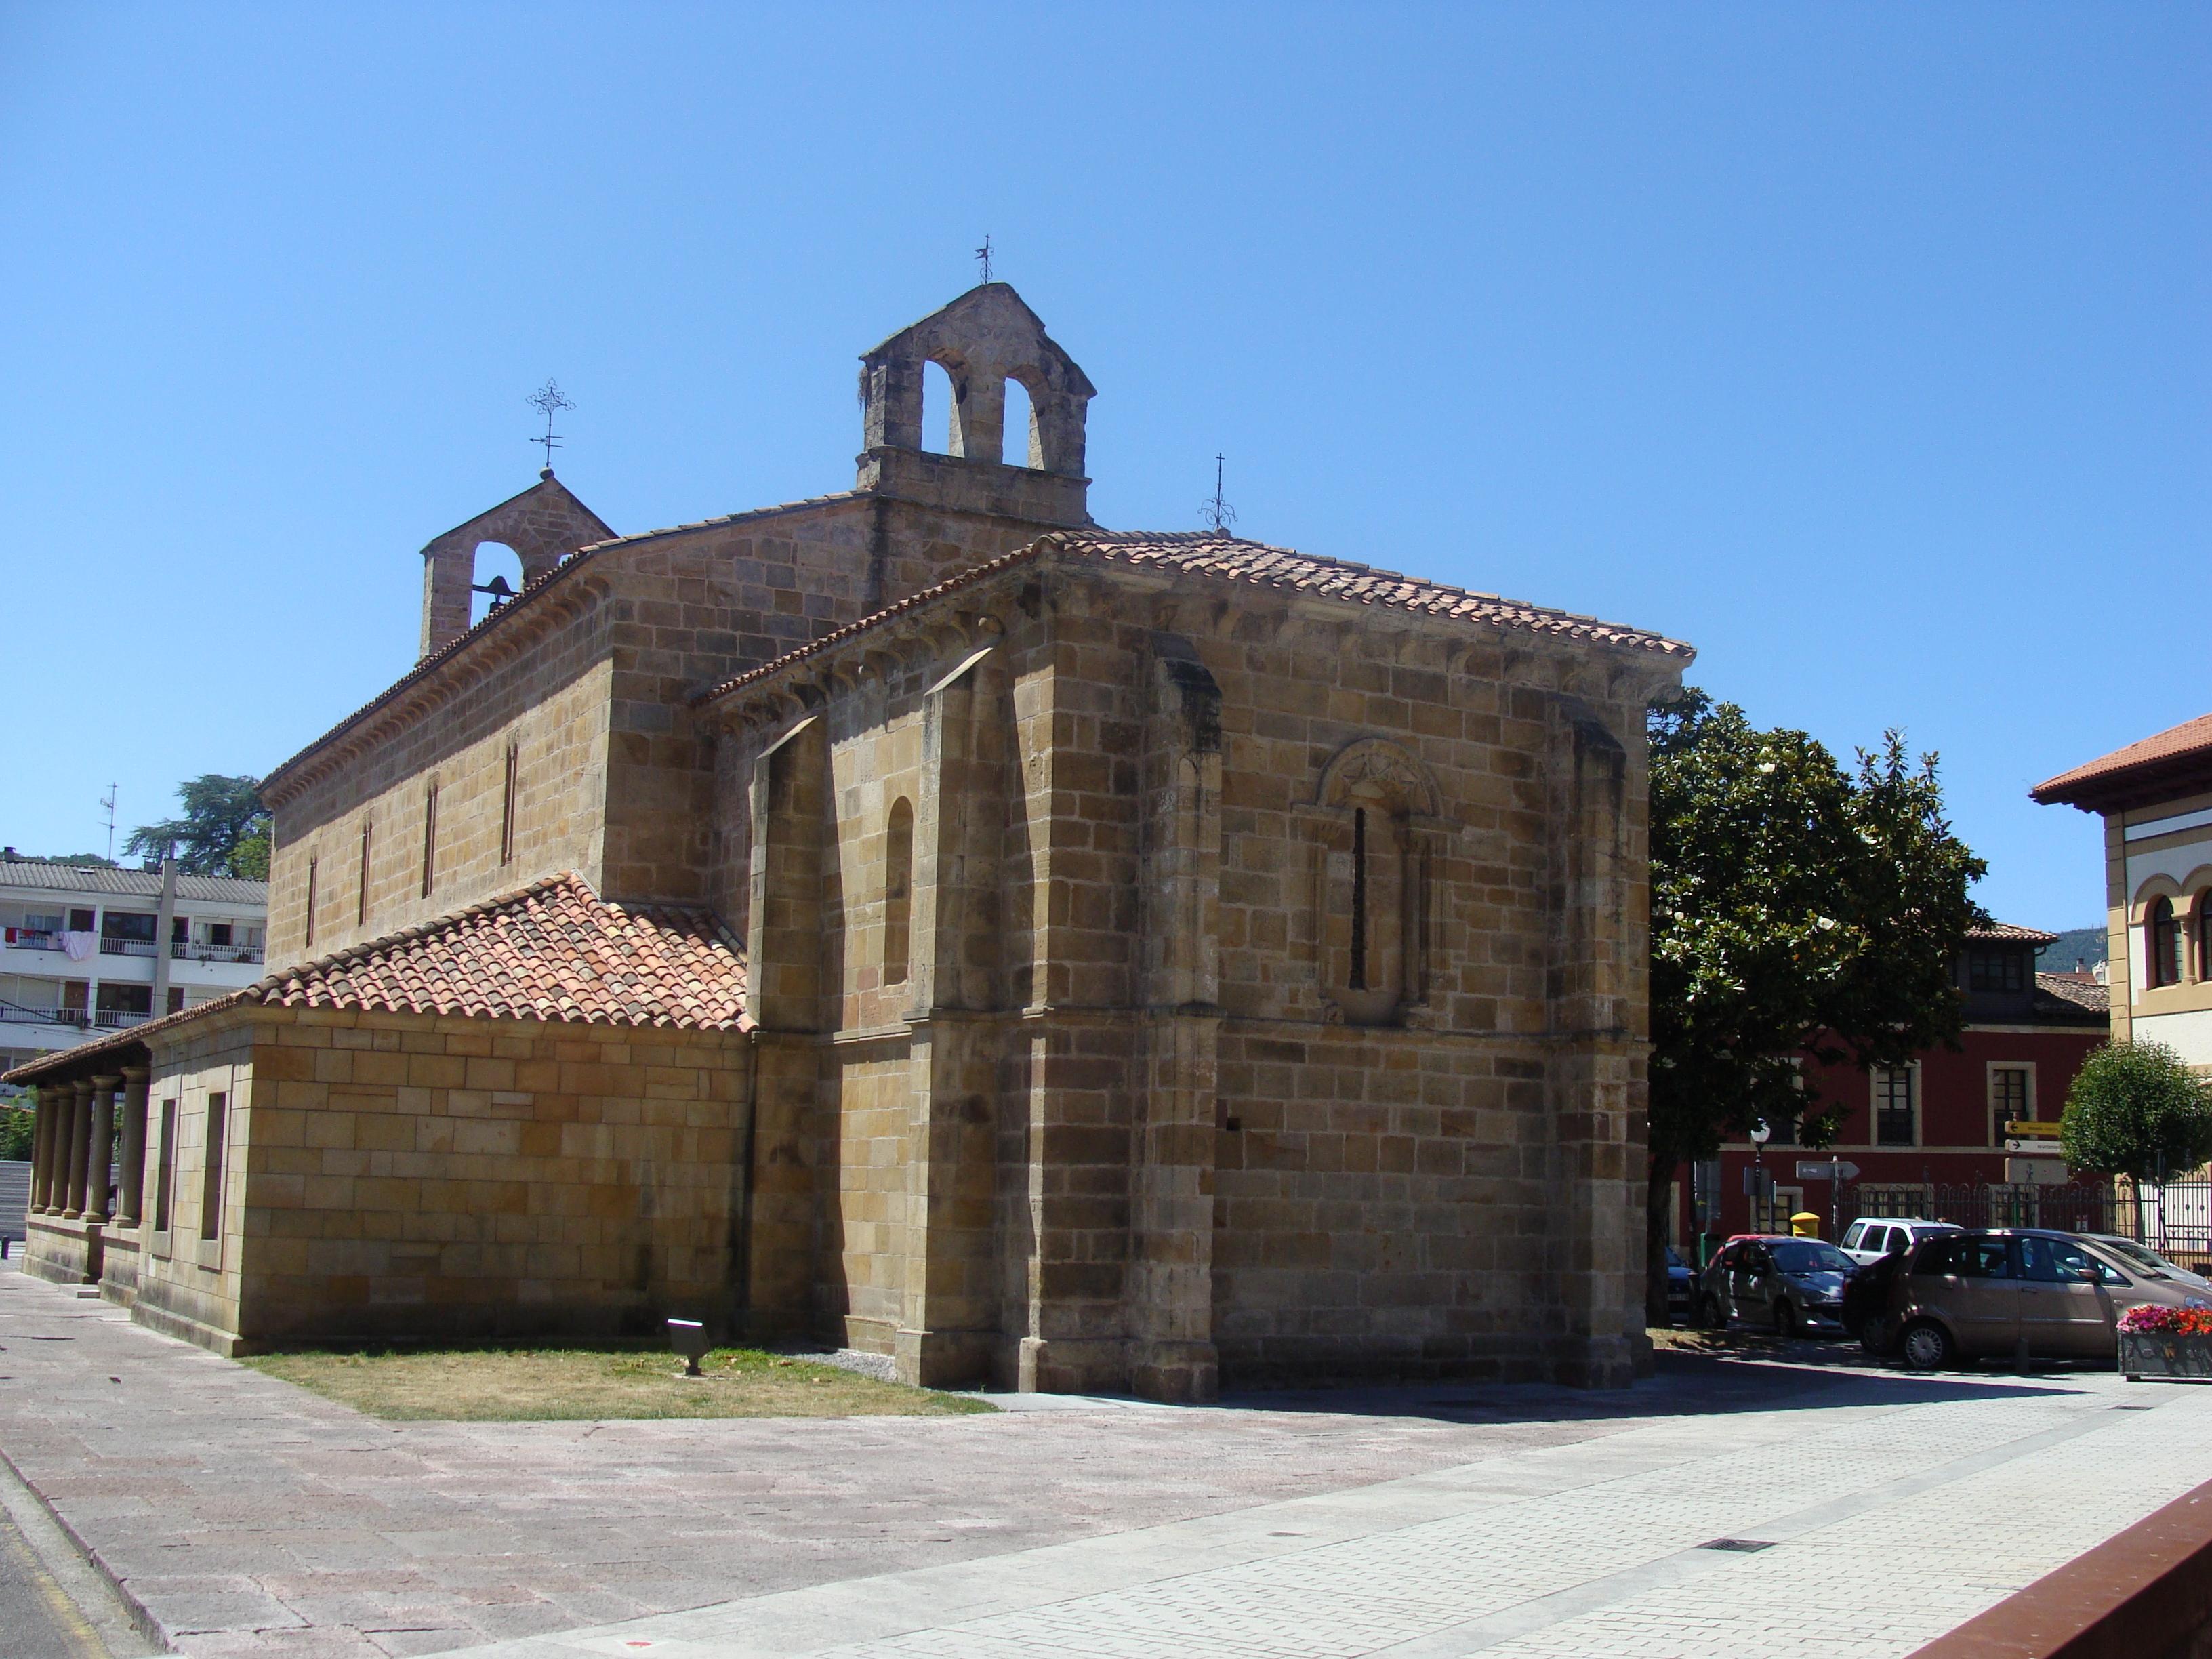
(2145,1594)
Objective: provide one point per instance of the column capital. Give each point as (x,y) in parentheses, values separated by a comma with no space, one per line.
(137,1073)
(107,1080)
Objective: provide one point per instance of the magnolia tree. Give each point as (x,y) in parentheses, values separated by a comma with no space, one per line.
(1796,908)
(2136,1109)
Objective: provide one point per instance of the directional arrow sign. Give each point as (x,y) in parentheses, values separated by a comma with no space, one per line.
(1841,1169)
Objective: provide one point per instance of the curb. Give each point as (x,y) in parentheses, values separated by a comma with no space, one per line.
(77,1568)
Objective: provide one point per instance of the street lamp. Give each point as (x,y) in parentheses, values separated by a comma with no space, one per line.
(1760,1134)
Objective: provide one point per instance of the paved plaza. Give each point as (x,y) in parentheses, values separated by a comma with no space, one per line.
(246,1516)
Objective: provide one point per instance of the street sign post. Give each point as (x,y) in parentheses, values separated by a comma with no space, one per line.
(1826,1170)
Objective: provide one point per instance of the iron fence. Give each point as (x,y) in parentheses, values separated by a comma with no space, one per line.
(2175,1220)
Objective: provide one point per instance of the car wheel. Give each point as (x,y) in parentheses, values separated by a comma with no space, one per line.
(1710,1315)
(1927,1345)
(1785,1321)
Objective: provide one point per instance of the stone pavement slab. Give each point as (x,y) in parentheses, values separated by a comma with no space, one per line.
(248,1516)
(1875,1526)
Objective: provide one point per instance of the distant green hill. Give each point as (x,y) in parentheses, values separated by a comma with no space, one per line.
(2083,945)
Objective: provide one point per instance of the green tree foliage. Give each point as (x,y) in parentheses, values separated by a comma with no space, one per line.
(224,830)
(1796,908)
(2136,1109)
(16,1122)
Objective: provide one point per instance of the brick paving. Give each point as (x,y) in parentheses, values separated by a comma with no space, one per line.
(249,1517)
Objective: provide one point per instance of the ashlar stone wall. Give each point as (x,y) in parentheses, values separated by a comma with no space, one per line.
(413,1176)
(1157,1109)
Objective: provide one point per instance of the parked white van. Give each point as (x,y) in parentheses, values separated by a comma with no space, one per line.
(1870,1238)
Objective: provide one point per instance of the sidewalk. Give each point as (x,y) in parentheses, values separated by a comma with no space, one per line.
(248,1518)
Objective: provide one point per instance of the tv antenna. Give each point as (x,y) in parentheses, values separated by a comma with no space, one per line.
(983,257)
(548,398)
(1214,511)
(107,800)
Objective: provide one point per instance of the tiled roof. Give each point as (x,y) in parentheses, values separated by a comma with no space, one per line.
(2083,994)
(1227,558)
(2006,932)
(554,951)
(22,873)
(2189,741)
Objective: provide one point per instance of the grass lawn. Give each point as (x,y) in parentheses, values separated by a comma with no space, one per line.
(507,1385)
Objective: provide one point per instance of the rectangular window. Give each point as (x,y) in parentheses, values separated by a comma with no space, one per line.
(80,921)
(1893,1124)
(361,909)
(313,871)
(1997,970)
(429,839)
(212,1175)
(164,1168)
(2008,1100)
(506,806)
(218,932)
(137,926)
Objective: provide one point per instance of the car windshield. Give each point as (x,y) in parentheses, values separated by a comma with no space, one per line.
(1810,1255)
(2153,1264)
(1672,1261)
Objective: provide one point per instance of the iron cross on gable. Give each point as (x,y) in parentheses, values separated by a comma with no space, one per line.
(983,258)
(548,398)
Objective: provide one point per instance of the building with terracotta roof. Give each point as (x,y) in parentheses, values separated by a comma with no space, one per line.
(2155,797)
(1923,1135)
(917,918)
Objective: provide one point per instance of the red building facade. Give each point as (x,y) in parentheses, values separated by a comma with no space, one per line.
(1938,1123)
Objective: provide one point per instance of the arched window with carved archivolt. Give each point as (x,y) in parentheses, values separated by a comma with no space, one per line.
(1375,804)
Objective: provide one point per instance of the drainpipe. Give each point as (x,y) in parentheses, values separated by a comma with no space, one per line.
(162,924)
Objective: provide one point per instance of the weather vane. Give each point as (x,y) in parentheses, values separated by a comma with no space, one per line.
(1214,511)
(548,398)
(983,258)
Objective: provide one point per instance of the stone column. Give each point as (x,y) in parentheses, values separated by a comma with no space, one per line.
(948,1327)
(132,1178)
(784,998)
(73,1149)
(1172,1355)
(1597,1078)
(42,1149)
(98,1145)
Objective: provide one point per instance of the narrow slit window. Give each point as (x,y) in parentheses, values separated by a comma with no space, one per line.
(1359,899)
(164,1168)
(361,907)
(507,807)
(898,892)
(211,1182)
(429,839)
(312,872)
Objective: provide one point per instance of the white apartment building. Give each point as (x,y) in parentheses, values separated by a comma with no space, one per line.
(88,951)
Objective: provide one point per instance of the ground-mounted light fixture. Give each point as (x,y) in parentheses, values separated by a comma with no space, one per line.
(689,1338)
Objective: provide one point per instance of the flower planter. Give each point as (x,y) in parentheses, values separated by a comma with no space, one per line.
(2165,1353)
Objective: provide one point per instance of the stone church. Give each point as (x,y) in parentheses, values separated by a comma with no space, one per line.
(918,919)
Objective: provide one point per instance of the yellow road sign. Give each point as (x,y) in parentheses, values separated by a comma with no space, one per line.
(2028,1129)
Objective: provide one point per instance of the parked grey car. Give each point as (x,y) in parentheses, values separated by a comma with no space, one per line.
(1790,1285)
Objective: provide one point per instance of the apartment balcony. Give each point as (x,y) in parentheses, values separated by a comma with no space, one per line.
(188,953)
(100,1020)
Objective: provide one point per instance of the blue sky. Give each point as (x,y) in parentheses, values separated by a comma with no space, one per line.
(1866,348)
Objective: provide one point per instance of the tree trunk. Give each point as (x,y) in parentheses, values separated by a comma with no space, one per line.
(1659,1181)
